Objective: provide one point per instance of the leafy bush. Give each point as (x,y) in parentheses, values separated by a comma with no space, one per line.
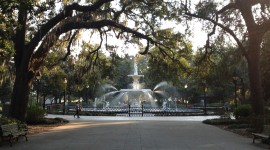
(238,126)
(1,108)
(53,121)
(242,111)
(266,141)
(219,121)
(5,120)
(60,120)
(35,115)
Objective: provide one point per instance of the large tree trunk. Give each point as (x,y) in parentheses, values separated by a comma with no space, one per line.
(21,88)
(255,81)
(20,96)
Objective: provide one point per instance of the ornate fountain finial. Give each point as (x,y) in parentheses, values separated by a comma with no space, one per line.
(135,68)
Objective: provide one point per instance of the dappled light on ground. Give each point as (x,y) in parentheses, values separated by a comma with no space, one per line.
(72,126)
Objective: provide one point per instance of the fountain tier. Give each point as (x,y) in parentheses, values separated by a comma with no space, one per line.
(135,90)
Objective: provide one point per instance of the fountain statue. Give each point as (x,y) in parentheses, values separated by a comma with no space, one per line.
(135,68)
(137,95)
(164,105)
(107,105)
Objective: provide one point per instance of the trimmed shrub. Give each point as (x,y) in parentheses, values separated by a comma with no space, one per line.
(238,126)
(35,115)
(53,121)
(242,111)
(220,121)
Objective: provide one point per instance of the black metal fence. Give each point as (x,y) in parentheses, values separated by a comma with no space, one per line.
(136,111)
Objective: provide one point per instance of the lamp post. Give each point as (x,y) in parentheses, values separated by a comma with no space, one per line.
(43,105)
(235,90)
(186,86)
(87,91)
(169,99)
(38,76)
(64,105)
(204,97)
(175,100)
(242,90)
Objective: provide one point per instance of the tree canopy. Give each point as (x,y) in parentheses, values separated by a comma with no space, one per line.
(246,22)
(32,30)
(37,26)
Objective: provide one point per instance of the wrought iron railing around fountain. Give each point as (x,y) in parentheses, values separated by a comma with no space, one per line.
(138,111)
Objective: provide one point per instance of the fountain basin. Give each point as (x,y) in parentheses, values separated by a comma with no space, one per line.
(135,90)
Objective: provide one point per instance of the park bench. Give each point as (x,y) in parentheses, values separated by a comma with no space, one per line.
(11,132)
(265,134)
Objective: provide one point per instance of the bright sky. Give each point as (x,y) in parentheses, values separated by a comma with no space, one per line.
(123,48)
(198,39)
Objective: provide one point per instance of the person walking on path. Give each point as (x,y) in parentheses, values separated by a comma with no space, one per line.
(78,109)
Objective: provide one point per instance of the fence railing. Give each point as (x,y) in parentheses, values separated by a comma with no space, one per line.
(136,111)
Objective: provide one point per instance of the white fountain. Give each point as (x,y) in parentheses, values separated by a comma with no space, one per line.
(136,95)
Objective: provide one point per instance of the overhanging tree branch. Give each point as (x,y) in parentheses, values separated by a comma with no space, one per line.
(228,30)
(69,25)
(66,12)
(227,7)
(69,44)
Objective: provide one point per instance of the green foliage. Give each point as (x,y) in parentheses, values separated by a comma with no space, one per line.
(53,121)
(120,69)
(22,125)
(35,114)
(5,90)
(266,141)
(242,111)
(206,9)
(238,126)
(174,66)
(220,121)
(5,120)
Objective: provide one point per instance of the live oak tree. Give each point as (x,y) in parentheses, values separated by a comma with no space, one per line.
(176,61)
(246,22)
(265,66)
(6,70)
(30,28)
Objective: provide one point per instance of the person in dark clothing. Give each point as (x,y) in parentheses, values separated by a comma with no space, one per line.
(77,110)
